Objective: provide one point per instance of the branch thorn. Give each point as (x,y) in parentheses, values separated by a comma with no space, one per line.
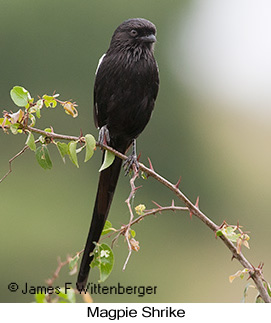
(197,203)
(150,163)
(136,188)
(159,206)
(178,183)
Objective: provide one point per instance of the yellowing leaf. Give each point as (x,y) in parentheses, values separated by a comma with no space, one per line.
(16,116)
(134,244)
(239,273)
(70,109)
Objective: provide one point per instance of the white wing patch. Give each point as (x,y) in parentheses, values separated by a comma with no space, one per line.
(100,62)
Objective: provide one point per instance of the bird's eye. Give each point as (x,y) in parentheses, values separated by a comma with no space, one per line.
(133,33)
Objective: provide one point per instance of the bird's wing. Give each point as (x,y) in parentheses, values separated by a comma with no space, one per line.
(99,63)
(95,107)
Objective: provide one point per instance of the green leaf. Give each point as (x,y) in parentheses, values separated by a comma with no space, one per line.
(104,260)
(143,175)
(39,104)
(42,139)
(63,149)
(108,160)
(73,262)
(95,262)
(36,108)
(14,128)
(33,119)
(90,146)
(72,152)
(43,157)
(7,123)
(30,141)
(38,113)
(30,101)
(133,234)
(267,285)
(49,101)
(40,298)
(68,295)
(219,233)
(231,235)
(20,96)
(107,227)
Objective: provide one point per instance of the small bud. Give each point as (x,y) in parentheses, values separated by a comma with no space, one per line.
(140,209)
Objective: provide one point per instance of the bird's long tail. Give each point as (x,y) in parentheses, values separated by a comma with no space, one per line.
(106,188)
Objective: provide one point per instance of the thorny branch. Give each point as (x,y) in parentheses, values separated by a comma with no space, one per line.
(13,158)
(255,273)
(86,296)
(128,201)
(51,280)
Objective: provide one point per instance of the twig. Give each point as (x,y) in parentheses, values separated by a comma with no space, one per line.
(12,159)
(158,210)
(61,264)
(128,201)
(50,281)
(123,228)
(52,134)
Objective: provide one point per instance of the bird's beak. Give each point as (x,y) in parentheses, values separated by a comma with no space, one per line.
(149,39)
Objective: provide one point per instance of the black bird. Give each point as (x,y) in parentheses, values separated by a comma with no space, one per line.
(125,90)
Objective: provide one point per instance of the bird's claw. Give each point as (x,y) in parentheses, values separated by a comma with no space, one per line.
(104,137)
(131,163)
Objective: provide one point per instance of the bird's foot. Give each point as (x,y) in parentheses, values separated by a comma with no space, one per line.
(131,163)
(104,138)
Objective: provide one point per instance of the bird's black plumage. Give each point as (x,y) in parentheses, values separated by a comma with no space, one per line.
(125,90)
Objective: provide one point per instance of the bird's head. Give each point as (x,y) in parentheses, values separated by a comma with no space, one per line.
(132,33)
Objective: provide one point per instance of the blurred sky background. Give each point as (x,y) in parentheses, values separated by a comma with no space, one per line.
(211,125)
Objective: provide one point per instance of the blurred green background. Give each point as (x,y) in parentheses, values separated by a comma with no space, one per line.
(208,126)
